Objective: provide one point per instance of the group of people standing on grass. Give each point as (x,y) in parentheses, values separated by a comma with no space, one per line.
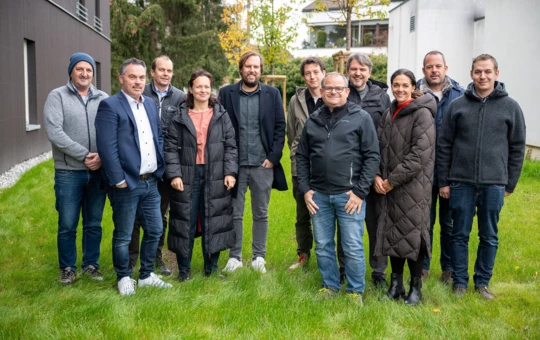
(186,161)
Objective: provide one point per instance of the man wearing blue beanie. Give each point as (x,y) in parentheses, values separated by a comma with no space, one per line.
(69,116)
(78,57)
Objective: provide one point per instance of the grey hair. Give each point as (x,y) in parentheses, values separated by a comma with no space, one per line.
(362,58)
(434,52)
(334,74)
(131,61)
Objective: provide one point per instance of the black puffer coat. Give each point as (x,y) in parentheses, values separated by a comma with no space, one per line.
(221,159)
(407,159)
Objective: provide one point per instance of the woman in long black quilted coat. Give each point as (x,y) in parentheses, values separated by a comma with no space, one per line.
(407,141)
(201,163)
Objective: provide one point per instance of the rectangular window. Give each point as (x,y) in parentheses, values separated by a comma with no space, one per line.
(30,90)
(412,24)
(375,35)
(98,23)
(82,11)
(97,9)
(97,76)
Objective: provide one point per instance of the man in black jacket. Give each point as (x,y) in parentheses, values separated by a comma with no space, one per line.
(372,97)
(167,98)
(337,159)
(479,157)
(256,112)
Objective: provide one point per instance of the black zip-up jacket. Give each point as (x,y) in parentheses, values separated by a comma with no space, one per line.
(169,105)
(482,141)
(345,157)
(375,102)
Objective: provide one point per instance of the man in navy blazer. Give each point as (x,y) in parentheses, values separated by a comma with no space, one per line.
(256,112)
(130,145)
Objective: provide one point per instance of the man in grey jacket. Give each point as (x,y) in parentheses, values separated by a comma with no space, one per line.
(69,116)
(302,104)
(480,155)
(167,98)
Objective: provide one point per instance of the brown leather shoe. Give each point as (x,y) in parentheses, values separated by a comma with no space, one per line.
(446,277)
(484,291)
(459,291)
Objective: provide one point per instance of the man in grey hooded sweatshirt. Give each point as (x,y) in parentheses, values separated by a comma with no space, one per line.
(69,116)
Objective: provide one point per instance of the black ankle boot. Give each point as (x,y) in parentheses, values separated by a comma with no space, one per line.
(415,293)
(396,290)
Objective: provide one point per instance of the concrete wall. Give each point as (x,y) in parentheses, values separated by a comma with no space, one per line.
(515,45)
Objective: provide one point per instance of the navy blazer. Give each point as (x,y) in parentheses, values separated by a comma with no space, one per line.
(117,140)
(271,120)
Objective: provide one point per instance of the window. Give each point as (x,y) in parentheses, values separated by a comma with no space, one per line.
(335,36)
(98,23)
(97,76)
(412,24)
(374,35)
(30,91)
(81,10)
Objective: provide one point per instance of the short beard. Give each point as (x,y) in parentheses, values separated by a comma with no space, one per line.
(250,84)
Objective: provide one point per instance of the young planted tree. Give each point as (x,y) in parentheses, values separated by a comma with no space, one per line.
(273,29)
(235,39)
(361,8)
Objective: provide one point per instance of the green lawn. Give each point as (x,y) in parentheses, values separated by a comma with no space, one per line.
(279,304)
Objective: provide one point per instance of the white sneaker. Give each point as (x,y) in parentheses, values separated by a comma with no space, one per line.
(232,265)
(154,281)
(258,265)
(126,286)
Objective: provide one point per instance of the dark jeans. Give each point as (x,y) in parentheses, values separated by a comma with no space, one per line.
(467,200)
(197,216)
(141,202)
(76,192)
(304,233)
(446,222)
(378,264)
(164,188)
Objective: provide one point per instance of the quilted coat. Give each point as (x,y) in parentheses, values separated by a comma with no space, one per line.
(221,160)
(407,159)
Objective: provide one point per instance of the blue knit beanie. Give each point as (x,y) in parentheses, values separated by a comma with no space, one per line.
(79,56)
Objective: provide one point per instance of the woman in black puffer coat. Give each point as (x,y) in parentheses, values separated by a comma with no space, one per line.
(403,183)
(201,163)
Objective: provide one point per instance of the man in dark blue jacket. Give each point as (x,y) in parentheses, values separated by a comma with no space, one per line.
(446,90)
(337,159)
(130,144)
(480,156)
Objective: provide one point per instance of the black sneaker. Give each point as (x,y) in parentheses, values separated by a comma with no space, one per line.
(184,276)
(160,265)
(380,282)
(93,273)
(67,276)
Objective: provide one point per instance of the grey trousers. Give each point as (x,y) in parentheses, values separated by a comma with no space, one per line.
(259,180)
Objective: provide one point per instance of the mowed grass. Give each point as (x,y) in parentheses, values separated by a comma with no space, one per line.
(279,304)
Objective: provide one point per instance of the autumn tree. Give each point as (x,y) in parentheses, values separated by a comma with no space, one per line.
(235,39)
(361,8)
(273,29)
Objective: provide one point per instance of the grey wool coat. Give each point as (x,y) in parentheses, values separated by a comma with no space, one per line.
(407,159)
(221,160)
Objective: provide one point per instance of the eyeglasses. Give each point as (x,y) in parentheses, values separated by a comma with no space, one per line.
(338,89)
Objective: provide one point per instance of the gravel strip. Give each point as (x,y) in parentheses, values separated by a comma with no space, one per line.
(10,177)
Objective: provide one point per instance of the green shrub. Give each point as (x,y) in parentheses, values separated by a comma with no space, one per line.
(321,39)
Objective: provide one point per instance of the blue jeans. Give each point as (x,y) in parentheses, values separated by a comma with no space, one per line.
(466,201)
(78,191)
(332,207)
(197,215)
(141,202)
(446,222)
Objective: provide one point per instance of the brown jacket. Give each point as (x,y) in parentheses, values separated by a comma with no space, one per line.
(407,158)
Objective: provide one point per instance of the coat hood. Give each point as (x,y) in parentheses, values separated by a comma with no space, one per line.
(498,91)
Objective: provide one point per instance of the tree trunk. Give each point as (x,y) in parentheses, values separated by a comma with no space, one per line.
(349,28)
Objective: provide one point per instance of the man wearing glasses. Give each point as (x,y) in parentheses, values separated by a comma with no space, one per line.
(337,159)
